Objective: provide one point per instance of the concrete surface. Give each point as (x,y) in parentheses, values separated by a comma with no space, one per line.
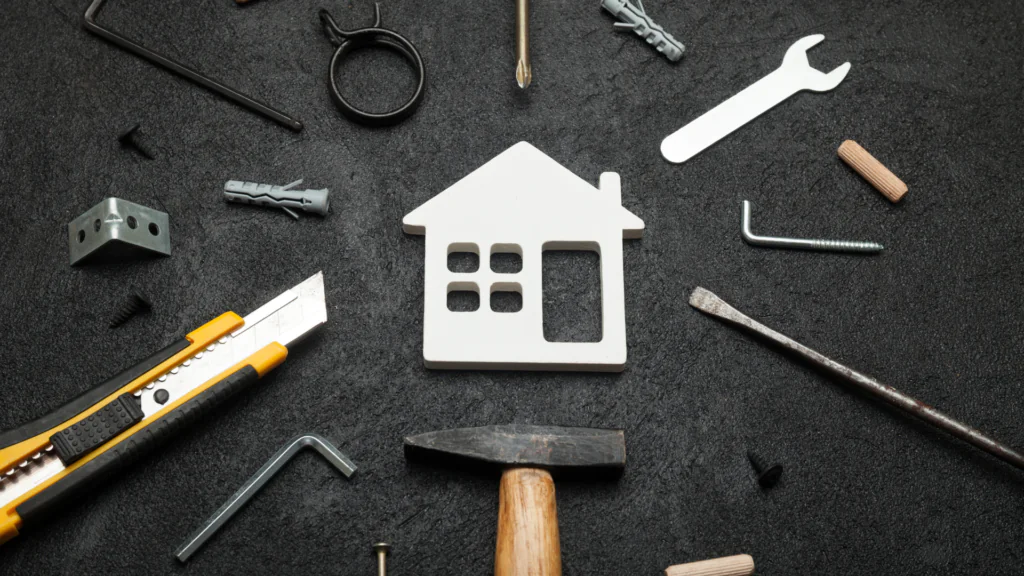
(935,93)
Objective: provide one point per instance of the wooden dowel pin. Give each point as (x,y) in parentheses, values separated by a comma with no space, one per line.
(741,565)
(872,170)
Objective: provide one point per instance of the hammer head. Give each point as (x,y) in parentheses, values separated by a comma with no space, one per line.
(549,447)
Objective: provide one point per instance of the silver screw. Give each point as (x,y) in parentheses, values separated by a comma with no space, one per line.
(381,549)
(804,244)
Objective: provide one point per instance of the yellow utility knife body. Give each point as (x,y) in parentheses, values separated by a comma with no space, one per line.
(50,460)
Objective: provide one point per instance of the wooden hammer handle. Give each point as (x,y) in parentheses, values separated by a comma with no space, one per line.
(527,525)
(872,170)
(741,565)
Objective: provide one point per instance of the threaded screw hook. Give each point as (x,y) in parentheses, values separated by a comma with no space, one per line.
(804,243)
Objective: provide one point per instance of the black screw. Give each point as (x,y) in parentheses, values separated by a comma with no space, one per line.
(132,138)
(136,303)
(767,475)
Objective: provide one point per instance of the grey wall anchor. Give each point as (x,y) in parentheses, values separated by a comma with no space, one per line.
(257,481)
(115,228)
(283,197)
(635,18)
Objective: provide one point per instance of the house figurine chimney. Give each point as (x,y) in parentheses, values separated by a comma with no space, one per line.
(611,186)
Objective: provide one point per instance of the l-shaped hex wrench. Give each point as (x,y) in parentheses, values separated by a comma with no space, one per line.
(89,22)
(258,480)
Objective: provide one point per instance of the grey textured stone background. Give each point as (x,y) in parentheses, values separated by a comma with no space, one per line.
(935,92)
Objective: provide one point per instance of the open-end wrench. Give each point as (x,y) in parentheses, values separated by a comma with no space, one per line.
(793,76)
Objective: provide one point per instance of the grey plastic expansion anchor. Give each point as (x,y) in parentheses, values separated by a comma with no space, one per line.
(635,18)
(283,197)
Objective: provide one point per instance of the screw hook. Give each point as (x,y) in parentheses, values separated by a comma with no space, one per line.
(335,34)
(803,243)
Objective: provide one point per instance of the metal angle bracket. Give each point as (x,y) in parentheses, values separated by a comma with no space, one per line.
(114,227)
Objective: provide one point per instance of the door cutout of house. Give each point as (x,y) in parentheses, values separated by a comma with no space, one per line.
(571,286)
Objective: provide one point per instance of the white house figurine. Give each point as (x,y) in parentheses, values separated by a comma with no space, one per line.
(520,202)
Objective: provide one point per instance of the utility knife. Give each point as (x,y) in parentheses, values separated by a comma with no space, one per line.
(53,459)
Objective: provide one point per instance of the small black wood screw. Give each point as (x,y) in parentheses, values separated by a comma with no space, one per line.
(136,303)
(767,475)
(132,138)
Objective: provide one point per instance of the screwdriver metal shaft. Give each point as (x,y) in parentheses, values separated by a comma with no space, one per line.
(707,302)
(523,72)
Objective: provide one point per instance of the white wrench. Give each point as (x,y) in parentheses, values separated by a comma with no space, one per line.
(793,76)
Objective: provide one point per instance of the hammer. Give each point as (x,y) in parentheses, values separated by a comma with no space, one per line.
(527,455)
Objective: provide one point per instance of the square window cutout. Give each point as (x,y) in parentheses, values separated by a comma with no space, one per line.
(506,297)
(463,297)
(463,257)
(506,258)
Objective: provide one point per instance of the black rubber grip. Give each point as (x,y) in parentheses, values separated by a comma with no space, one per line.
(100,427)
(89,397)
(117,457)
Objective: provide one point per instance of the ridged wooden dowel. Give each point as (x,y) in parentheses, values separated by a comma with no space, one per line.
(741,565)
(527,525)
(872,170)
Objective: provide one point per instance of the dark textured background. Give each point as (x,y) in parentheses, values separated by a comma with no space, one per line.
(934,92)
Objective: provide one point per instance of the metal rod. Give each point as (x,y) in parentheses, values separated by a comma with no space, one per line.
(257,481)
(707,302)
(523,72)
(801,243)
(184,71)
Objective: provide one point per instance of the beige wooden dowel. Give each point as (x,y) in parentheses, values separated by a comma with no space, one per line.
(872,170)
(741,565)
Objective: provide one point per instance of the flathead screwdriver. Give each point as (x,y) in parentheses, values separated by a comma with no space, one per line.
(708,303)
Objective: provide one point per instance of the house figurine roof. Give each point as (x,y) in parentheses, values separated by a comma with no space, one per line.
(523,185)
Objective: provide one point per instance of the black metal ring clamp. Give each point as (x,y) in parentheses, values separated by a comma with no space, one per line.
(348,41)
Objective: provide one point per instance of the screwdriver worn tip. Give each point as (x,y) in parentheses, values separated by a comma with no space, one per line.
(704,300)
(523,74)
